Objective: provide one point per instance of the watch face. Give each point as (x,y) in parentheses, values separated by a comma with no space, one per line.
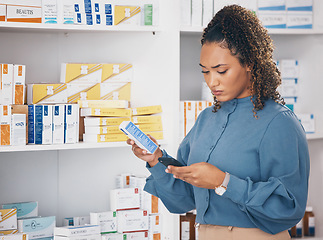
(220,190)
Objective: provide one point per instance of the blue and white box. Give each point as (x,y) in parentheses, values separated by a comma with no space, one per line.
(43,124)
(37,227)
(49,11)
(299,5)
(271,5)
(58,124)
(18,129)
(66,11)
(300,20)
(24,209)
(108,20)
(71,123)
(289,68)
(72,231)
(288,88)
(308,122)
(31,124)
(273,19)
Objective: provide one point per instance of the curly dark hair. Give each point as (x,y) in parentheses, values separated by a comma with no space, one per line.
(239,30)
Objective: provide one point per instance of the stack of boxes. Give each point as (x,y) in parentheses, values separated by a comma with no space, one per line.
(289,90)
(97,12)
(12,95)
(272,13)
(20,221)
(189,111)
(102,122)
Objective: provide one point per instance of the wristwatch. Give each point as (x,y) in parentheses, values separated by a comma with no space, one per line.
(220,190)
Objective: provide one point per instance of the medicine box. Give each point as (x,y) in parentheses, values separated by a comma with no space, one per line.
(6,78)
(7,232)
(18,130)
(132,220)
(72,231)
(271,5)
(16,236)
(65,12)
(103,103)
(81,73)
(24,209)
(43,124)
(124,199)
(151,127)
(87,237)
(123,180)
(106,112)
(5,124)
(82,91)
(98,138)
(299,5)
(49,11)
(301,20)
(137,235)
(19,79)
(289,68)
(37,227)
(46,93)
(154,227)
(8,219)
(31,124)
(273,19)
(76,221)
(102,129)
(146,110)
(3,13)
(29,11)
(147,119)
(104,121)
(288,88)
(114,236)
(127,15)
(106,220)
(149,202)
(308,122)
(115,91)
(58,124)
(71,123)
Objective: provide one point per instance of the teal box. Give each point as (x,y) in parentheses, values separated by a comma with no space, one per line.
(24,209)
(37,227)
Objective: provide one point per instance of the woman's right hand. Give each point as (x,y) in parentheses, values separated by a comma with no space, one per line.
(151,159)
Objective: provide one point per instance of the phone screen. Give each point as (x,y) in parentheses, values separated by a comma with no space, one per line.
(170,161)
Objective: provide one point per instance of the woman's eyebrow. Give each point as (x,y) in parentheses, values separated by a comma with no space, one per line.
(219,65)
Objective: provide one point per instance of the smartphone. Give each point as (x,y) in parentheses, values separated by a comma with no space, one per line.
(141,139)
(170,161)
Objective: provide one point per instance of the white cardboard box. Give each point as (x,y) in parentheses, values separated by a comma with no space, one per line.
(124,199)
(132,220)
(6,77)
(37,227)
(18,129)
(106,220)
(58,124)
(8,219)
(71,123)
(49,11)
(71,231)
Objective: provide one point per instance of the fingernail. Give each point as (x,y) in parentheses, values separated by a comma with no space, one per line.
(166,170)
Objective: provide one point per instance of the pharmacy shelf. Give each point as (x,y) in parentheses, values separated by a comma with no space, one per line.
(56,147)
(8,26)
(199,30)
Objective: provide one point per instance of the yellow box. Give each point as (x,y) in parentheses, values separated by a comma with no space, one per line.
(104,121)
(115,91)
(156,135)
(16,236)
(106,112)
(151,127)
(96,72)
(46,93)
(5,126)
(127,15)
(98,138)
(6,78)
(117,72)
(103,103)
(8,219)
(146,110)
(102,129)
(19,79)
(146,119)
(8,232)
(82,91)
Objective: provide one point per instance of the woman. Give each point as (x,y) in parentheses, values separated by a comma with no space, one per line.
(247,161)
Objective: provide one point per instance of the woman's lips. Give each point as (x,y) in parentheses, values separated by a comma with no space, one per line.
(218,92)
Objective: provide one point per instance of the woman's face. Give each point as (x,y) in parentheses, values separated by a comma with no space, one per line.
(223,73)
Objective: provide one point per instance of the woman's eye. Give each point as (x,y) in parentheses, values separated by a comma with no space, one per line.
(205,71)
(223,72)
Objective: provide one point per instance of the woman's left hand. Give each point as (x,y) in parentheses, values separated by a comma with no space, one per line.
(203,175)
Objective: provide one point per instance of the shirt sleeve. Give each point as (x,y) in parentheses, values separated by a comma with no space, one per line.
(177,195)
(277,202)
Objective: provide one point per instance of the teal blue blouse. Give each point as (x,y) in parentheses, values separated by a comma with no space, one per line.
(267,159)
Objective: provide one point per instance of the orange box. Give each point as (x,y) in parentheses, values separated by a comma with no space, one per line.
(5,124)
(19,79)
